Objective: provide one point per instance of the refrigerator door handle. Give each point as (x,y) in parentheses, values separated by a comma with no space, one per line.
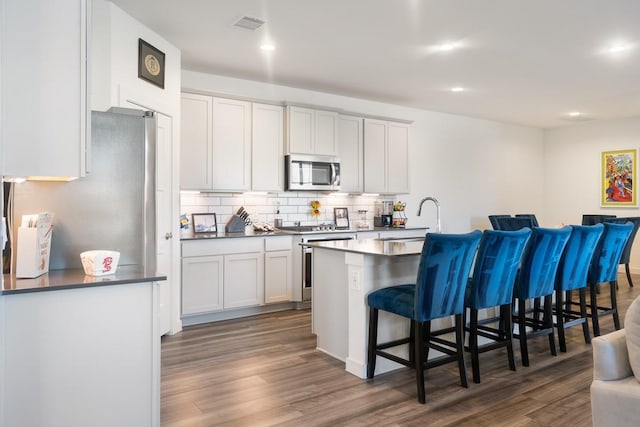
(168,236)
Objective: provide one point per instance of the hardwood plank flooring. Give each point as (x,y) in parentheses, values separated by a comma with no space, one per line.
(265,371)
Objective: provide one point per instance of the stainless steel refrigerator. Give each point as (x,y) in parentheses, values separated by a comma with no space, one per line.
(113,207)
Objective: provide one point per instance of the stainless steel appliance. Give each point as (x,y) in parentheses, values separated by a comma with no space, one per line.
(306,172)
(113,207)
(303,257)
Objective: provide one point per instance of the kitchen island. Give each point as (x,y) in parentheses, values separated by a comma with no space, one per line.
(344,272)
(80,350)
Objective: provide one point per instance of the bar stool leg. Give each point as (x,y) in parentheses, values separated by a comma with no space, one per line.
(419,347)
(594,310)
(473,345)
(548,322)
(462,367)
(522,332)
(560,321)
(626,269)
(613,286)
(505,315)
(582,292)
(373,342)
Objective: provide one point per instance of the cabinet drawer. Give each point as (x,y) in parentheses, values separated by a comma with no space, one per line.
(222,246)
(278,243)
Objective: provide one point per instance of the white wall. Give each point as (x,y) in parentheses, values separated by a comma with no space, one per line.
(573,170)
(473,167)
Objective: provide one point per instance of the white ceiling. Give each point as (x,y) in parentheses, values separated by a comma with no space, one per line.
(527,62)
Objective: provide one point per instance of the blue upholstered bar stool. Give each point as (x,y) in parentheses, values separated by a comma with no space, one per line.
(494,220)
(532,217)
(572,276)
(513,224)
(494,275)
(626,253)
(604,268)
(536,280)
(443,273)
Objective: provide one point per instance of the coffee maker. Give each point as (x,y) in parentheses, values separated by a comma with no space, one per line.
(384,214)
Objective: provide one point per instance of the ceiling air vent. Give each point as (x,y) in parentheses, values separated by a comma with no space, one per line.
(249,23)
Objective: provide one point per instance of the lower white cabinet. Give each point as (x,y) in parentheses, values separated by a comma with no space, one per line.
(278,270)
(202,284)
(243,280)
(234,273)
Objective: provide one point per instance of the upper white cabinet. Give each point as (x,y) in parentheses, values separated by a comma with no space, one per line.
(196,143)
(230,145)
(312,131)
(267,135)
(386,157)
(45,117)
(350,131)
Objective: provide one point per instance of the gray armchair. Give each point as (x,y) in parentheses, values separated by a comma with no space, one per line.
(615,391)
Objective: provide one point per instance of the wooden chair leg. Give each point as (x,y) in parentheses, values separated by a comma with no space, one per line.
(505,315)
(626,269)
(548,322)
(373,342)
(522,332)
(419,347)
(582,292)
(473,345)
(462,366)
(560,321)
(594,310)
(613,286)
(412,342)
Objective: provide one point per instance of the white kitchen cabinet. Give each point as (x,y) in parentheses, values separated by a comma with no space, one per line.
(45,119)
(278,270)
(311,131)
(202,284)
(243,280)
(215,144)
(267,146)
(196,142)
(386,157)
(351,153)
(231,145)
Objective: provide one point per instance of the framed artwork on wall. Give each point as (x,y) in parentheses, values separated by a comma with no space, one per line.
(618,178)
(341,216)
(150,64)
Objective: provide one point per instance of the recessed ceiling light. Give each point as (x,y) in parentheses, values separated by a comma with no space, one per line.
(268,47)
(618,48)
(457,89)
(445,47)
(575,113)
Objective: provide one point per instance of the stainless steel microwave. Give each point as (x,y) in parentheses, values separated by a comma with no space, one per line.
(309,172)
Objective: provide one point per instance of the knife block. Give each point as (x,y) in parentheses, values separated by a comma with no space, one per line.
(234,225)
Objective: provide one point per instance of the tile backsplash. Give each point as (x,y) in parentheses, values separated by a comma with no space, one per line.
(293,206)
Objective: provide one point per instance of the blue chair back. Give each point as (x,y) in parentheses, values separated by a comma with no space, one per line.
(514,224)
(540,262)
(604,265)
(626,252)
(494,220)
(576,258)
(532,217)
(496,267)
(589,219)
(443,273)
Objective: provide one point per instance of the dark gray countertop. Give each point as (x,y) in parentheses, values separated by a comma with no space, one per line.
(56,280)
(222,235)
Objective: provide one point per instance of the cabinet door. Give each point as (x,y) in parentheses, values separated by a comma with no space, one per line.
(351,154)
(45,117)
(375,155)
(196,142)
(397,157)
(267,148)
(326,135)
(231,145)
(202,279)
(300,130)
(278,270)
(243,280)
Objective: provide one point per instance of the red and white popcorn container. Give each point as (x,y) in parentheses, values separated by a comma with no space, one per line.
(99,262)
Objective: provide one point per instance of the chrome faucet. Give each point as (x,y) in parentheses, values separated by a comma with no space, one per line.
(435,201)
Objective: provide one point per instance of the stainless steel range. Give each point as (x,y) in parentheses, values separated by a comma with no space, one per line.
(302,257)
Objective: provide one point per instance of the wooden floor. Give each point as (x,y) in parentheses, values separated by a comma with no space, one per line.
(264,371)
